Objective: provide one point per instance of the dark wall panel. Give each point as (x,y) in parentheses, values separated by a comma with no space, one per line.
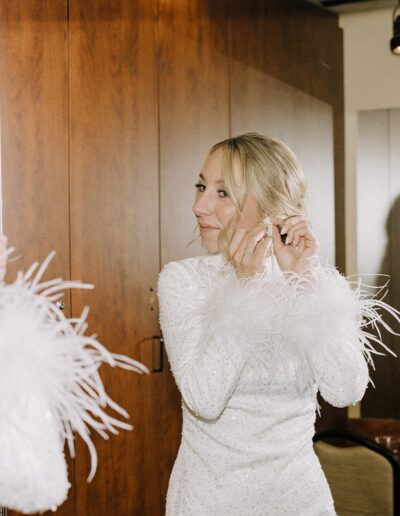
(294,41)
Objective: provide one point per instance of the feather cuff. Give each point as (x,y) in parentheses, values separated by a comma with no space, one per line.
(50,388)
(316,327)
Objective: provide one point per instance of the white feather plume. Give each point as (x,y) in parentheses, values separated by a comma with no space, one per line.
(50,388)
(292,323)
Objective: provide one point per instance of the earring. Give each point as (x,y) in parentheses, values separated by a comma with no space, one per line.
(269,229)
(269,234)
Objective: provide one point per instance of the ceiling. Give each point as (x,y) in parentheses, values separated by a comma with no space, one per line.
(346,6)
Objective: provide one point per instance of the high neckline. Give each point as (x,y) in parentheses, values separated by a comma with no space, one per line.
(271,263)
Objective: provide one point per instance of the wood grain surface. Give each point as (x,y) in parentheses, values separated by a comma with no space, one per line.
(108,110)
(114,236)
(34,146)
(194,109)
(34,123)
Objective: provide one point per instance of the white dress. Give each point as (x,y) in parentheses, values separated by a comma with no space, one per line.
(248,358)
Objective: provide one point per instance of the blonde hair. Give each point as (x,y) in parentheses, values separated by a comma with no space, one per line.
(268,171)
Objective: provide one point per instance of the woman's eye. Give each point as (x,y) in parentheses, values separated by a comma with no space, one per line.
(222,194)
(200,187)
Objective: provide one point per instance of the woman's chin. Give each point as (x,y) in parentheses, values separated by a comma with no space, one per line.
(209,245)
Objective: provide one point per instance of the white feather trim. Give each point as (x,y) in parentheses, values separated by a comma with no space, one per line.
(50,388)
(300,324)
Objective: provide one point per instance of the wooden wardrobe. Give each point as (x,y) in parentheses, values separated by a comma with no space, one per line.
(107,109)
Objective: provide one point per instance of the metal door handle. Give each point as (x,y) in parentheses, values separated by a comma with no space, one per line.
(161,348)
(61,306)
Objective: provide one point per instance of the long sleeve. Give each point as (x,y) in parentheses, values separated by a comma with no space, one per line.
(326,321)
(206,365)
(333,324)
(317,329)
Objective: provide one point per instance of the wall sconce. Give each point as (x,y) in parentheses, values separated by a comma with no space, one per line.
(395,41)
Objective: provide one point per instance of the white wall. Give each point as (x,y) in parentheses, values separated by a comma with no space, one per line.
(378,194)
(371,81)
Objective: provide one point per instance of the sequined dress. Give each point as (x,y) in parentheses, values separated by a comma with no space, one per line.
(248,359)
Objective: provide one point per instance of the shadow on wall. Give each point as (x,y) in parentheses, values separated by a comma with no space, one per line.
(391,260)
(383,402)
(302,32)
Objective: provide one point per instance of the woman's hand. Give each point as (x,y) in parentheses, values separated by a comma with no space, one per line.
(3,256)
(249,249)
(301,243)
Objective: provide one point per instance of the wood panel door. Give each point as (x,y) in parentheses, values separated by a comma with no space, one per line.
(34,142)
(114,237)
(79,114)
(34,131)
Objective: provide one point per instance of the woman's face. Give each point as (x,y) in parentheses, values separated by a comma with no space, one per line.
(212,207)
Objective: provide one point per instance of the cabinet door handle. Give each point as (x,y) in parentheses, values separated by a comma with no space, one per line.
(161,348)
(61,306)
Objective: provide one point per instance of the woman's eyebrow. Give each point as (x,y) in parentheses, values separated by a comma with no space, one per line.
(219,181)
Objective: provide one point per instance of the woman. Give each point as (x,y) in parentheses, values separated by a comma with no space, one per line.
(253,330)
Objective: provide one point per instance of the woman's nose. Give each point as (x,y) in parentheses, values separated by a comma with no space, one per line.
(203,205)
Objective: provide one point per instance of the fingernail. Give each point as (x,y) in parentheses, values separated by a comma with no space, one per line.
(284,230)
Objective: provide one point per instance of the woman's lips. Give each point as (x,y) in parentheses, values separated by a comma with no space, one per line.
(206,227)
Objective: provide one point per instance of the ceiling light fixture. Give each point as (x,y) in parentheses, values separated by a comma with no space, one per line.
(395,41)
